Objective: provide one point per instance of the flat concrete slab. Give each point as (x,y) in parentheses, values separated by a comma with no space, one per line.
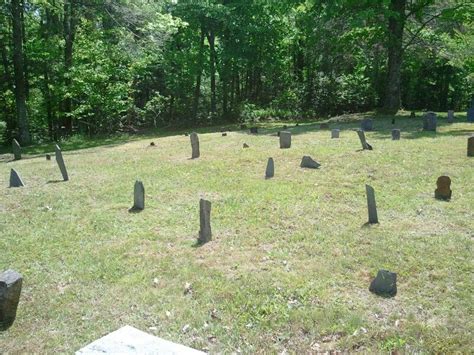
(129,340)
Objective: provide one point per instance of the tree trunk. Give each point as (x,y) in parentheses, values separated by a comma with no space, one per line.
(18,66)
(69,29)
(212,64)
(197,89)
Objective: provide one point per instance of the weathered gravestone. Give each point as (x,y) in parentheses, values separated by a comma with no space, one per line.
(367,124)
(335,133)
(270,171)
(395,134)
(430,122)
(138,197)
(371,206)
(60,161)
(443,190)
(224,134)
(470,146)
(470,112)
(363,141)
(15,179)
(450,116)
(285,139)
(253,130)
(308,162)
(384,284)
(16,149)
(152,144)
(246,145)
(48,157)
(205,233)
(10,290)
(195,145)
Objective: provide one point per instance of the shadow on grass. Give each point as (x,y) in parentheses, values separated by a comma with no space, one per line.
(55,181)
(135,210)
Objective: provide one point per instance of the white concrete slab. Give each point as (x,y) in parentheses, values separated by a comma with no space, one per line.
(129,340)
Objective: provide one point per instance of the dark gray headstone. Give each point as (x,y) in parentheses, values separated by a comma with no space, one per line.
(367,124)
(152,144)
(270,171)
(60,161)
(371,206)
(205,233)
(384,284)
(285,139)
(246,145)
(450,116)
(15,179)
(16,149)
(224,134)
(10,291)
(363,141)
(253,130)
(443,188)
(335,133)
(138,196)
(470,146)
(308,162)
(395,134)
(48,157)
(195,145)
(430,122)
(470,115)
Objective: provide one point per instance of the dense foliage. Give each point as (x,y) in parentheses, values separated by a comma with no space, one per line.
(96,66)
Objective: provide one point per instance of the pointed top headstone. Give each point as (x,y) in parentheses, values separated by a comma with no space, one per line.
(16,149)
(308,162)
(15,180)
(270,171)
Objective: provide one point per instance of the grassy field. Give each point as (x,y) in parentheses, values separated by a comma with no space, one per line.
(291,258)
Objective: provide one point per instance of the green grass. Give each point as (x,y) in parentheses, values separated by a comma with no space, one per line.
(291,258)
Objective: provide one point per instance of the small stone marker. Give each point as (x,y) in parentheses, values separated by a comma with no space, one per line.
(195,145)
(324,126)
(413,114)
(443,191)
(224,134)
(138,197)
(246,145)
(363,141)
(335,133)
(367,124)
(430,121)
(384,284)
(15,180)
(10,290)
(152,144)
(285,139)
(371,206)
(395,134)
(270,171)
(253,130)
(60,161)
(48,157)
(308,162)
(470,146)
(16,149)
(205,234)
(450,116)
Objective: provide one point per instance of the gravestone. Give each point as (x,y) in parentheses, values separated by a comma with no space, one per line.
(48,157)
(371,206)
(60,161)
(335,133)
(308,162)
(15,180)
(324,126)
(384,284)
(246,145)
(470,146)
(253,130)
(412,114)
(10,290)
(278,134)
(470,115)
(395,134)
(430,121)
(138,197)
(450,116)
(205,234)
(367,124)
(443,190)
(195,145)
(363,141)
(224,134)
(393,121)
(16,149)
(152,144)
(270,171)
(285,140)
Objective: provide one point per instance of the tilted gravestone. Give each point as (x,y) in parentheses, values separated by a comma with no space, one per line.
(195,145)
(246,145)
(384,284)
(363,141)
(205,233)
(430,122)
(16,149)
(450,116)
(285,139)
(60,161)
(395,134)
(443,188)
(138,197)
(270,171)
(308,162)
(367,124)
(335,133)
(15,179)
(470,146)
(371,206)
(10,291)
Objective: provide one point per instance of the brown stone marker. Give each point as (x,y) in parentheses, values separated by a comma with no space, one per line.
(470,146)
(443,192)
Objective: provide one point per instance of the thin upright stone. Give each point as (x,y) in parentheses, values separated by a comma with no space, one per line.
(138,196)
(371,206)
(205,233)
(60,161)
(16,149)
(270,171)
(195,145)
